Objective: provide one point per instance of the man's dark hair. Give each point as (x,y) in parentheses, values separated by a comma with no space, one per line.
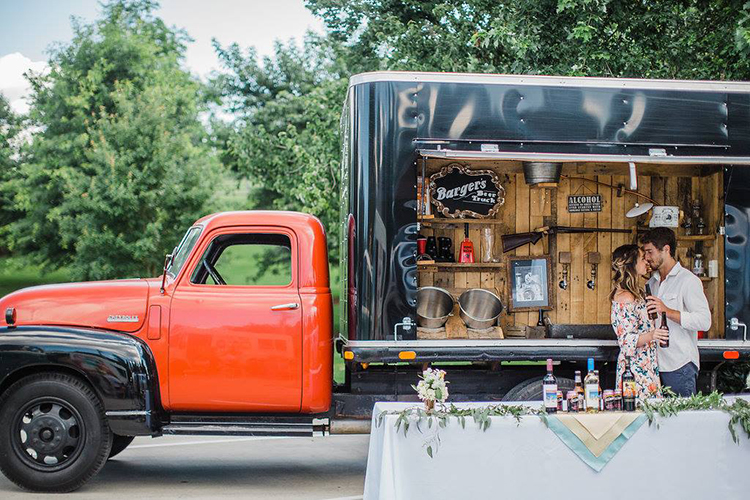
(660,236)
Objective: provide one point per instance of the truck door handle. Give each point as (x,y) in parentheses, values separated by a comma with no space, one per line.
(281,307)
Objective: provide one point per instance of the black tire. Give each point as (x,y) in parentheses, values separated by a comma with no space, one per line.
(119,443)
(531,389)
(53,433)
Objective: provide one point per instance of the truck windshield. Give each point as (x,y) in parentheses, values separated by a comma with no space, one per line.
(183,250)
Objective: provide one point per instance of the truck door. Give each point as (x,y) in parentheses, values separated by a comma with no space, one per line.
(235,337)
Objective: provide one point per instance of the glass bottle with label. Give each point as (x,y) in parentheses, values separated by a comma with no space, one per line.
(549,390)
(579,392)
(591,388)
(628,388)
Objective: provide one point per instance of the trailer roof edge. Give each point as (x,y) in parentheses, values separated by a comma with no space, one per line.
(578,158)
(552,81)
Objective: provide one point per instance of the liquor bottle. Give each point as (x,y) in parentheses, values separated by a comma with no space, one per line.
(601,396)
(591,388)
(579,392)
(652,315)
(665,327)
(628,388)
(549,389)
(466,253)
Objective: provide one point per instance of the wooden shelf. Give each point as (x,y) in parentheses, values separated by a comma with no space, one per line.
(458,222)
(705,278)
(698,237)
(462,265)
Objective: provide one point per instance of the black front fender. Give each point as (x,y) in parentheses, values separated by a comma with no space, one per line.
(119,367)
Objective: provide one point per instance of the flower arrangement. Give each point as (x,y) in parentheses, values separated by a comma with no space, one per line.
(432,387)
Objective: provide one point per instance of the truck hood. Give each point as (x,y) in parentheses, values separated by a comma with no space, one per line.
(112,305)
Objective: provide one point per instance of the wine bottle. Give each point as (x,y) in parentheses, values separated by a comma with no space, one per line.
(652,315)
(665,327)
(549,389)
(628,388)
(579,392)
(591,387)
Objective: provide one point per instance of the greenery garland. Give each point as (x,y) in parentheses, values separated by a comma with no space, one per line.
(739,412)
(440,415)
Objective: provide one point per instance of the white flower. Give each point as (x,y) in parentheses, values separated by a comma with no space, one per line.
(433,386)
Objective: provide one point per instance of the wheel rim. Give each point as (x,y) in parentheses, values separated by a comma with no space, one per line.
(48,434)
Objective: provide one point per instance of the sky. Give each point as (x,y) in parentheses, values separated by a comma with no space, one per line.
(29,27)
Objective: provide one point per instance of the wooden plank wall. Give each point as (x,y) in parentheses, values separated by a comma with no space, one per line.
(528,208)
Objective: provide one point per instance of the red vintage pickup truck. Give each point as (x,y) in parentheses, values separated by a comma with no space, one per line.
(84,367)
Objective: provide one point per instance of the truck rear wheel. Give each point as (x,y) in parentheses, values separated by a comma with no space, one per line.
(53,433)
(531,389)
(119,443)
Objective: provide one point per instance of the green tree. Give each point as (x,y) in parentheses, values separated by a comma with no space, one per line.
(122,164)
(682,39)
(10,126)
(286,136)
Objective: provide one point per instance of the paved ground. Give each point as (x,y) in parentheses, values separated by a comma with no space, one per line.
(320,468)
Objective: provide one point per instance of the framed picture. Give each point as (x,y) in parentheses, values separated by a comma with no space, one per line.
(528,279)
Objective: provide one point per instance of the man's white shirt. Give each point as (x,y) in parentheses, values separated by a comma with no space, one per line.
(682,291)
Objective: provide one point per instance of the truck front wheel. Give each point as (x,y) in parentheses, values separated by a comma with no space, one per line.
(53,433)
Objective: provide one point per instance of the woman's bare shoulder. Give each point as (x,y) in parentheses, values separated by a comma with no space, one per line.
(624,297)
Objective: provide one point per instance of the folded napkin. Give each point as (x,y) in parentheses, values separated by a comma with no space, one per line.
(595,438)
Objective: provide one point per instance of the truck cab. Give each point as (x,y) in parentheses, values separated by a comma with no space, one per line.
(234,338)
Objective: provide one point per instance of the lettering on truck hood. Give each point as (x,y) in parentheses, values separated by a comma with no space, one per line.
(111,305)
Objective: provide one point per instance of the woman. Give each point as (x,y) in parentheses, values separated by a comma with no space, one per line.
(635,334)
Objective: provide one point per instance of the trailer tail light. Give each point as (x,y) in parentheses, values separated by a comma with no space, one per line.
(10,316)
(348,355)
(407,355)
(731,355)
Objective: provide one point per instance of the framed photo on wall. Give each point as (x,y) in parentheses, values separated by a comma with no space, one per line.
(528,279)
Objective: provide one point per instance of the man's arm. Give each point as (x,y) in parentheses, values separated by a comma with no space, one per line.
(697,315)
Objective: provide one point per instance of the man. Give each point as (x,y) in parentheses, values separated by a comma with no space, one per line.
(679,293)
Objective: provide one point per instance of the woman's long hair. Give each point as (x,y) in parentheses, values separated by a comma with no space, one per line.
(624,259)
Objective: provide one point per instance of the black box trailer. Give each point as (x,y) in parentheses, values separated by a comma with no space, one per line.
(683,145)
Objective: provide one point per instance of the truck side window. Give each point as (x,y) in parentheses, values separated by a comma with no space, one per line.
(246,260)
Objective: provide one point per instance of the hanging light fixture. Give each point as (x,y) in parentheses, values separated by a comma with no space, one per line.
(638,209)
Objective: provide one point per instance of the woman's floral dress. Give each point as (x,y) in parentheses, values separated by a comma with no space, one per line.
(630,320)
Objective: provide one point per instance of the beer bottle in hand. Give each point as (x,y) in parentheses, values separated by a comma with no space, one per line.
(628,388)
(664,326)
(652,315)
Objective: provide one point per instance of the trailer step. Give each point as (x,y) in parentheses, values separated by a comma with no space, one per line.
(234,429)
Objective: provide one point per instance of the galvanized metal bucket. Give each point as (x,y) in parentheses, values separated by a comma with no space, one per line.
(434,306)
(479,308)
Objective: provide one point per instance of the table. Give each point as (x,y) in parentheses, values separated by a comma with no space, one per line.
(691,455)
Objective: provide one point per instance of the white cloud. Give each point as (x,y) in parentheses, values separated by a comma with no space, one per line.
(13,85)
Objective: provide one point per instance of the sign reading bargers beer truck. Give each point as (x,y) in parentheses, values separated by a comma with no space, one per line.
(460,192)
(584,203)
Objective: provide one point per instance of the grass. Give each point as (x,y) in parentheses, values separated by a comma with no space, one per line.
(16,274)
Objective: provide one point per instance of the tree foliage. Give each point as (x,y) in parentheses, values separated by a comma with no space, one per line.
(286,137)
(121,165)
(683,39)
(10,127)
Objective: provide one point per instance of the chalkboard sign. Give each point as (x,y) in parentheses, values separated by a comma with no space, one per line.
(584,203)
(459,192)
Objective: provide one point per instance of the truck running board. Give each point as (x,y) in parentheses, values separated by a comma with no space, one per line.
(230,425)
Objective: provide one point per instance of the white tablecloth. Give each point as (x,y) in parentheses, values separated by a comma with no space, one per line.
(690,456)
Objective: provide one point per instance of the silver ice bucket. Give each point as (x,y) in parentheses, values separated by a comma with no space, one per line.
(434,305)
(479,308)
